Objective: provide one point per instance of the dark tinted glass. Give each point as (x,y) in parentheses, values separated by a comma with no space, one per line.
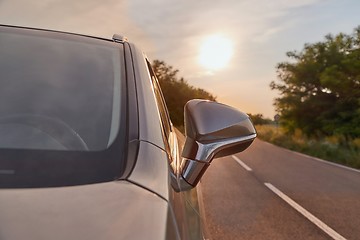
(58,93)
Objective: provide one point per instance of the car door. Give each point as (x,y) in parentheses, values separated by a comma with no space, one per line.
(185,205)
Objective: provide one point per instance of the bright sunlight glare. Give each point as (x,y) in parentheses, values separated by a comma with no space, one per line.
(215,52)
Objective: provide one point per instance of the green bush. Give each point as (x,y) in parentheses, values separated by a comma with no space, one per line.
(335,148)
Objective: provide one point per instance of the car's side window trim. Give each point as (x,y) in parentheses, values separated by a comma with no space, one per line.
(164,114)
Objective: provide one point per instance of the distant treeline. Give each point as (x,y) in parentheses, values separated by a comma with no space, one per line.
(320,88)
(177,91)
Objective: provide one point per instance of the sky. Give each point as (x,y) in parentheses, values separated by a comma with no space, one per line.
(260,32)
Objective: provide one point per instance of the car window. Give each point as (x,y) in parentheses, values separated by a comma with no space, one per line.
(164,114)
(58,93)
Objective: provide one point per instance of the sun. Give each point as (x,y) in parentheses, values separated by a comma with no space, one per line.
(215,52)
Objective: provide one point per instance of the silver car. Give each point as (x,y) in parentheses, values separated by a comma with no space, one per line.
(87,149)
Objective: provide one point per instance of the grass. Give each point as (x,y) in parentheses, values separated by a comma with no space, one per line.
(335,149)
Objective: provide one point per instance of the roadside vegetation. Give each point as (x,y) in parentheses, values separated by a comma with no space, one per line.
(320,88)
(318,105)
(332,148)
(177,92)
(319,101)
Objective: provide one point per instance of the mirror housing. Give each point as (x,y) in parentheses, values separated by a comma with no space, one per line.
(212,130)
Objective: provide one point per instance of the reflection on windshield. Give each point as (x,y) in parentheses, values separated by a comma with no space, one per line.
(58,94)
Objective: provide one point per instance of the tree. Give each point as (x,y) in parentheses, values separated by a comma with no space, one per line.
(177,91)
(258,119)
(320,87)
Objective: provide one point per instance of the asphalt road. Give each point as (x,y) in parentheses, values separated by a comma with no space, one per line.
(238,204)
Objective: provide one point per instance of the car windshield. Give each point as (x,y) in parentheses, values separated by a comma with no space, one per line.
(61,101)
(58,92)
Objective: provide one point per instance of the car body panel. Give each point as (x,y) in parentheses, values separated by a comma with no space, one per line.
(149,123)
(192,224)
(114,210)
(185,206)
(151,169)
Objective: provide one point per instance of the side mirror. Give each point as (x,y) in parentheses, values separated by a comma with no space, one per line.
(212,130)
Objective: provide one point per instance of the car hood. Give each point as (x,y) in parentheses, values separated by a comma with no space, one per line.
(114,210)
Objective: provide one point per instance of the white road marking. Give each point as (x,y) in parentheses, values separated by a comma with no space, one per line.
(242,163)
(305,213)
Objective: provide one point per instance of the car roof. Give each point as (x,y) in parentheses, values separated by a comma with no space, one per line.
(116,37)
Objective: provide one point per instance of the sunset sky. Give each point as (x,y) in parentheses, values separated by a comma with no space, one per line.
(258,34)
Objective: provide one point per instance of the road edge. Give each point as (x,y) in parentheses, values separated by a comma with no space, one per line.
(313,158)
